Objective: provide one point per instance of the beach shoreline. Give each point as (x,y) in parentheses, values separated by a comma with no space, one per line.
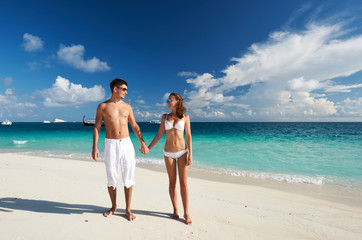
(330,192)
(40,196)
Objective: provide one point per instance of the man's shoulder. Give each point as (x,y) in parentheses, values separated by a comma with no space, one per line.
(103,104)
(127,105)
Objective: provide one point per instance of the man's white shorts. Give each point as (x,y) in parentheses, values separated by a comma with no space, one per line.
(119,153)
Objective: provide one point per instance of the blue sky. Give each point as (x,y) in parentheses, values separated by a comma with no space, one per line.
(257,60)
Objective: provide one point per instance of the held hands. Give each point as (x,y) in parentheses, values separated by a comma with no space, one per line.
(144,149)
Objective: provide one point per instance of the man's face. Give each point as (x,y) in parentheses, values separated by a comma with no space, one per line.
(121,91)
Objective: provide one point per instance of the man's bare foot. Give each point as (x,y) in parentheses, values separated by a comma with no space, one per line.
(109,212)
(175,215)
(188,220)
(130,215)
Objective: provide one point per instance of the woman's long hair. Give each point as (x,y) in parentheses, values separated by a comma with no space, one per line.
(180,109)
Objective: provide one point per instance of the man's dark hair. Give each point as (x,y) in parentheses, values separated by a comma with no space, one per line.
(117,83)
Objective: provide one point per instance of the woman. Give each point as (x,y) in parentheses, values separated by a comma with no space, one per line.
(176,152)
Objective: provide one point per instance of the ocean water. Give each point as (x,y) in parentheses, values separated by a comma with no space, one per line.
(310,153)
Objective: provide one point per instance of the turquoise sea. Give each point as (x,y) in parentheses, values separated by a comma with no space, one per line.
(310,153)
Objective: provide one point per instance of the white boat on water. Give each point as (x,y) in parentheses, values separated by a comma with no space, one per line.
(7,123)
(57,120)
(46,121)
(155,121)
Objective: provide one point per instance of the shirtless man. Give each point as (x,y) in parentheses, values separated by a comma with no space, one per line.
(118,150)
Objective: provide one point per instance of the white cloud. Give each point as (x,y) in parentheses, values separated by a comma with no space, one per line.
(342,88)
(282,76)
(74,56)
(220,98)
(10,91)
(300,84)
(32,43)
(8,81)
(140,101)
(352,107)
(11,106)
(187,74)
(203,82)
(164,98)
(64,93)
(147,116)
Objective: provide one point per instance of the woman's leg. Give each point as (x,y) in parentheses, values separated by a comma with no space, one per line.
(182,170)
(172,176)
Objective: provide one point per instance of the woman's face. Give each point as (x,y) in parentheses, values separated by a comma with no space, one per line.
(171,102)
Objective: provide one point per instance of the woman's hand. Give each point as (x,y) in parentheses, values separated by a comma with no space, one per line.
(189,160)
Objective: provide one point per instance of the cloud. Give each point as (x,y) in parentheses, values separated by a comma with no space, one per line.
(146,115)
(10,91)
(140,101)
(164,98)
(64,93)
(352,107)
(284,76)
(11,106)
(74,56)
(187,74)
(342,88)
(32,43)
(8,81)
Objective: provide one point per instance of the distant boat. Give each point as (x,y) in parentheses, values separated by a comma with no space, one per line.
(155,121)
(46,121)
(90,122)
(7,123)
(57,120)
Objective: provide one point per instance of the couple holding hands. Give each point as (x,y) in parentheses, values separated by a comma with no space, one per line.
(119,154)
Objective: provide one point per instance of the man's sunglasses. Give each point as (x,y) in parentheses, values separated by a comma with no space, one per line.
(123,89)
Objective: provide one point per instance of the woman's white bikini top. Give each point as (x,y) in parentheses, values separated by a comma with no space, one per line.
(180,125)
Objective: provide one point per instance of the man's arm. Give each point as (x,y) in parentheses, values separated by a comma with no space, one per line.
(96,131)
(136,129)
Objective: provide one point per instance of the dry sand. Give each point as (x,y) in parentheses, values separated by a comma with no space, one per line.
(48,198)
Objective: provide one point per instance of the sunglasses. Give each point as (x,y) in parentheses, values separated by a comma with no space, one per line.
(123,89)
(168,100)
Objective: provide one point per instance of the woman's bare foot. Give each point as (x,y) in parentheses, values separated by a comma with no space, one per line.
(188,220)
(130,215)
(175,215)
(109,212)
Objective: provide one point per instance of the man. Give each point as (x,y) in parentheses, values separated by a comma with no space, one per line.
(118,149)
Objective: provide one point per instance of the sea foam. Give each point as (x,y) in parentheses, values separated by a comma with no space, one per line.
(281,177)
(290,178)
(19,142)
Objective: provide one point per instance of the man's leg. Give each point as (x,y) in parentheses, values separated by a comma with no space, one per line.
(128,196)
(113,195)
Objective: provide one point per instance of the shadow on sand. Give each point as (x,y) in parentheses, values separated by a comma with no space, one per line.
(43,206)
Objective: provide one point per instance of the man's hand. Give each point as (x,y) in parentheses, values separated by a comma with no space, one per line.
(95,154)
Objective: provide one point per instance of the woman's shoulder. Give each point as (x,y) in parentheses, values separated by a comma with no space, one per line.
(164,116)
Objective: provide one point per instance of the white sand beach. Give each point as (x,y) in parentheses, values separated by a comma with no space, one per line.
(48,198)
